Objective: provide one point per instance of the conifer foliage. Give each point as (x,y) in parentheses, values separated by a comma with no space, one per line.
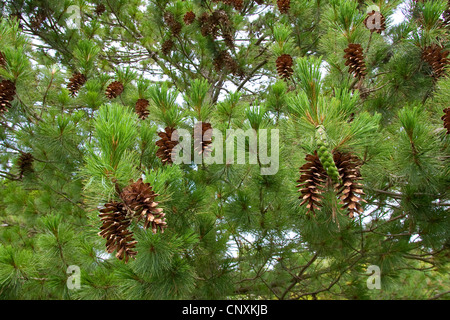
(224,149)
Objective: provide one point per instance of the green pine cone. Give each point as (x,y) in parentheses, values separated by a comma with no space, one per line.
(325,156)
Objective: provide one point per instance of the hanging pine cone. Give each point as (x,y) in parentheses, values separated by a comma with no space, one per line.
(37,19)
(446,119)
(202,138)
(208,25)
(7,93)
(189,17)
(114,229)
(228,39)
(25,163)
(114,89)
(75,83)
(325,155)
(225,60)
(284,66)
(166,145)
(172,23)
(311,182)
(141,108)
(355,60)
(100,9)
(139,197)
(436,57)
(375,21)
(349,190)
(167,46)
(238,4)
(284,6)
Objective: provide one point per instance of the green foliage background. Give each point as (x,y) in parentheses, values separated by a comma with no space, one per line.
(232,232)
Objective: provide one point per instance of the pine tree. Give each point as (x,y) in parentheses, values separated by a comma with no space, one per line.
(224,149)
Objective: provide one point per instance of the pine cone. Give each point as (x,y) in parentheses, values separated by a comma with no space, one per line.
(172,23)
(2,60)
(141,108)
(139,197)
(228,39)
(114,229)
(202,143)
(355,60)
(75,83)
(437,58)
(224,59)
(284,6)
(208,25)
(25,163)
(349,190)
(371,20)
(238,4)
(167,46)
(100,9)
(284,66)
(311,181)
(114,89)
(189,17)
(7,92)
(37,20)
(166,145)
(325,155)
(446,119)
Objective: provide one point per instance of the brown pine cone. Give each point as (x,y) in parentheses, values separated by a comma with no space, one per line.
(75,83)
(284,66)
(437,58)
(114,89)
(100,9)
(311,182)
(284,6)
(7,93)
(114,229)
(2,60)
(350,190)
(371,22)
(446,119)
(167,46)
(189,17)
(172,23)
(355,60)
(139,198)
(25,163)
(141,108)
(166,145)
(202,138)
